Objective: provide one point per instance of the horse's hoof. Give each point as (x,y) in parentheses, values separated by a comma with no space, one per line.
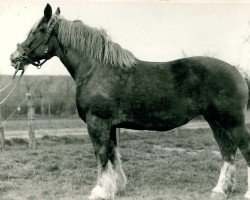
(94,197)
(218,196)
(247,195)
(98,193)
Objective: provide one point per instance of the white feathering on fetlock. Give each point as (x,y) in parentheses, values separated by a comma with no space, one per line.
(106,187)
(247,195)
(226,183)
(120,176)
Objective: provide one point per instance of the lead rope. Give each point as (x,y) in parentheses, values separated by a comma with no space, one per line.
(13,77)
(6,86)
(13,112)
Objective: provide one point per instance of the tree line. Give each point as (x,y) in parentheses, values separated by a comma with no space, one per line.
(53,95)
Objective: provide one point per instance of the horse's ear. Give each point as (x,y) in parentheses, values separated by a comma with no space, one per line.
(47,12)
(58,11)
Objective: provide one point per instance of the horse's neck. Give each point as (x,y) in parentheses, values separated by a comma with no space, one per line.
(75,63)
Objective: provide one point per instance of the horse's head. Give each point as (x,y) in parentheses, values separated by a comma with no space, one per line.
(40,42)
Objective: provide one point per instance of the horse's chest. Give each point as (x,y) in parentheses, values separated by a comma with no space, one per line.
(97,105)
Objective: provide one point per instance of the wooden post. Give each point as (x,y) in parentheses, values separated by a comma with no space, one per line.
(2,130)
(49,112)
(178,131)
(31,118)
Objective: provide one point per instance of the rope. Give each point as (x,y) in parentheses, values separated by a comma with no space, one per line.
(6,86)
(7,96)
(4,122)
(13,77)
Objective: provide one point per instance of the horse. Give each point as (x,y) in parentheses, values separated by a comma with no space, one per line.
(114,89)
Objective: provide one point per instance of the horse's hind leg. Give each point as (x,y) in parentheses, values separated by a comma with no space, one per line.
(241,137)
(226,182)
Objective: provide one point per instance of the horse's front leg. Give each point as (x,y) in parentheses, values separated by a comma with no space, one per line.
(99,131)
(115,159)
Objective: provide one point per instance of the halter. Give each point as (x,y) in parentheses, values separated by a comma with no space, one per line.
(25,52)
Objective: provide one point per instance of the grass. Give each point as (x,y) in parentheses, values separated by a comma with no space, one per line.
(64,168)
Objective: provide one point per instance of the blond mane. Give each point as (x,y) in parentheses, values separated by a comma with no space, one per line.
(94,43)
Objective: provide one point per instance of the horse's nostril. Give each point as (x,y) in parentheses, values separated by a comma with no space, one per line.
(14,57)
(11,57)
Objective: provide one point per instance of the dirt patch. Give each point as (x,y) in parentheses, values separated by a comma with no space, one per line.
(43,133)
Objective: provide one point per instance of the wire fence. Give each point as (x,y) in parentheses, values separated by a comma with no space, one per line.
(46,106)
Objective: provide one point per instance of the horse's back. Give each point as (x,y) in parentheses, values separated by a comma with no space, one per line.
(203,76)
(174,92)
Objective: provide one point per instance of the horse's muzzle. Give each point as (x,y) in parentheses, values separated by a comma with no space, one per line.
(17,61)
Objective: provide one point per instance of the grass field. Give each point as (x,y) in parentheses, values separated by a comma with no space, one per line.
(64,168)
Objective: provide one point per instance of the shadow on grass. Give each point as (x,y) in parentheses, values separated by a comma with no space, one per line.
(16,141)
(64,139)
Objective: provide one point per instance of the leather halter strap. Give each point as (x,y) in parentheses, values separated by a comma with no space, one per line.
(25,52)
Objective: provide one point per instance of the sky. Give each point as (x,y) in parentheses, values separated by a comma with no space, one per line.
(151,30)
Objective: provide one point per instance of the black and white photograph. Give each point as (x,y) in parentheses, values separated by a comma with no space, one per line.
(124,100)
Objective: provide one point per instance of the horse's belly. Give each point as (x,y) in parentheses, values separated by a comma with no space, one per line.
(159,123)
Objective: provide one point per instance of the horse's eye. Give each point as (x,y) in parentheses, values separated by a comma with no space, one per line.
(31,33)
(43,29)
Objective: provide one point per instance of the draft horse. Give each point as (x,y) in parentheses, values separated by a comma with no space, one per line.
(114,90)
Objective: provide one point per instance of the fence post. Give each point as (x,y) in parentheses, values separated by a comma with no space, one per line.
(2,130)
(31,118)
(49,111)
(178,131)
